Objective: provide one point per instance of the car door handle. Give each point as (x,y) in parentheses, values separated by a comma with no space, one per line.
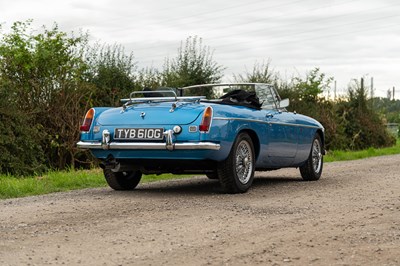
(269,116)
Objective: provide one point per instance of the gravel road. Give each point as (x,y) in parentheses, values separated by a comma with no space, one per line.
(351,216)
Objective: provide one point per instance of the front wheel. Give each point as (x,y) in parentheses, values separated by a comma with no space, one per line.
(236,173)
(311,170)
(122,180)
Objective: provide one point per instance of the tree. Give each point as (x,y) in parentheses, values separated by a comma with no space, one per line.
(193,65)
(304,94)
(43,75)
(112,72)
(315,83)
(20,152)
(261,73)
(148,77)
(364,126)
(349,123)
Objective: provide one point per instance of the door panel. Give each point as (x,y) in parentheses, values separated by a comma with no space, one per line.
(282,138)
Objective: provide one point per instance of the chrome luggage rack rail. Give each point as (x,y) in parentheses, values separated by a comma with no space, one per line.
(173,98)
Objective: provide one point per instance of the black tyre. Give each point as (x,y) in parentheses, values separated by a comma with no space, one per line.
(236,173)
(122,180)
(312,168)
(213,175)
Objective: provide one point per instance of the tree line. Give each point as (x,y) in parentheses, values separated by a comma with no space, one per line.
(49,79)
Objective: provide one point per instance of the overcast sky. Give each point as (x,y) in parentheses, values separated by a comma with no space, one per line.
(346,39)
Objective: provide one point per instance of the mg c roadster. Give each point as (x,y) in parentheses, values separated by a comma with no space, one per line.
(227,134)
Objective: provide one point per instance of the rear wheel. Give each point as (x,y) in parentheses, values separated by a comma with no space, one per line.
(122,180)
(312,168)
(236,173)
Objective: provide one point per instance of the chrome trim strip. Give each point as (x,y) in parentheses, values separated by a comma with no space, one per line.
(88,145)
(265,122)
(149,146)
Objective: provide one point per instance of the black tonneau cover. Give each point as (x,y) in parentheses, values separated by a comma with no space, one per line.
(242,98)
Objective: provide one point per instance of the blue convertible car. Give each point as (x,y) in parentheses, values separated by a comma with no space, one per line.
(237,129)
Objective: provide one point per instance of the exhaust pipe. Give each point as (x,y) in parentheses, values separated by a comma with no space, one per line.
(115,166)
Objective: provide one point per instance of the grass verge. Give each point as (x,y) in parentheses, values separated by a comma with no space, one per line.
(12,187)
(355,155)
(57,181)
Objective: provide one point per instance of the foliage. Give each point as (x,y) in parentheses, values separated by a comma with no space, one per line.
(305,93)
(20,152)
(349,123)
(364,127)
(111,72)
(261,73)
(42,74)
(193,65)
(149,77)
(389,108)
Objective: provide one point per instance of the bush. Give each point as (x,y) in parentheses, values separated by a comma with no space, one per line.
(42,76)
(20,152)
(350,124)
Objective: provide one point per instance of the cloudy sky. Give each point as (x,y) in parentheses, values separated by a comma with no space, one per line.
(346,39)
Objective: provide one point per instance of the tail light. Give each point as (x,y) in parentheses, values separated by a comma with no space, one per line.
(206,121)
(88,121)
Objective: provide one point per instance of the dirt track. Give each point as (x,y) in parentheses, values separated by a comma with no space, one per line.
(349,217)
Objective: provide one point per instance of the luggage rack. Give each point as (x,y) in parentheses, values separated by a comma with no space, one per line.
(157,98)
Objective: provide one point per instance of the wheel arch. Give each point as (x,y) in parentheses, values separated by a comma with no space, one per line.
(322,137)
(254,138)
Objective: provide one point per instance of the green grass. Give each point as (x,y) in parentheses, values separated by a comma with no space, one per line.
(12,187)
(355,155)
(57,181)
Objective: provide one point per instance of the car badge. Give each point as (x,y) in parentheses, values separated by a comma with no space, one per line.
(142,114)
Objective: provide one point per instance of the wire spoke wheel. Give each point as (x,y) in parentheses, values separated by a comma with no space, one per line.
(311,170)
(316,156)
(244,162)
(236,173)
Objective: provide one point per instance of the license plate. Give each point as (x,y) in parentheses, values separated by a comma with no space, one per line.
(139,133)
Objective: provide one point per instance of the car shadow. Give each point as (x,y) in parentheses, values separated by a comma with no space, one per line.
(194,186)
(275,181)
(204,186)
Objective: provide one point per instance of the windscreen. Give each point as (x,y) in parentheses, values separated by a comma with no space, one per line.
(265,94)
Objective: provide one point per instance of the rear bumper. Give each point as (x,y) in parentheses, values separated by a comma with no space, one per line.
(149,146)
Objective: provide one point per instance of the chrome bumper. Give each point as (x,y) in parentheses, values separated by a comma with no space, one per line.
(149,146)
(169,144)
